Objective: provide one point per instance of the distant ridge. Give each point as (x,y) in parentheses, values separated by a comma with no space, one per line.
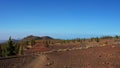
(31,37)
(3,41)
(46,37)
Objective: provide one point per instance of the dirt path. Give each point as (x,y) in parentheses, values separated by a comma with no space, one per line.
(38,62)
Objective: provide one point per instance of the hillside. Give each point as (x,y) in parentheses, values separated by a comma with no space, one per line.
(31,37)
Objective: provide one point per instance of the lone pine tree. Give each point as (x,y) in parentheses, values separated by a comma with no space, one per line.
(10,47)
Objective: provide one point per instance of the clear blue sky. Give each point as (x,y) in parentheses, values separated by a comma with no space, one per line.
(59,18)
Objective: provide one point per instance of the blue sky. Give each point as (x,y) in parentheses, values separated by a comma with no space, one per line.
(59,18)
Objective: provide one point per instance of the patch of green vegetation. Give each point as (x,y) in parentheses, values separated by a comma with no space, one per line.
(10,49)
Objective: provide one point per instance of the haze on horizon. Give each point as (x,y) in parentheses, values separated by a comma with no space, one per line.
(59,18)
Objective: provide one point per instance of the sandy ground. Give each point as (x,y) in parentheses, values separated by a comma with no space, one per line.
(97,57)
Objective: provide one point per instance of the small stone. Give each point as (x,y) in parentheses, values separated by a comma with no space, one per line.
(66,66)
(48,64)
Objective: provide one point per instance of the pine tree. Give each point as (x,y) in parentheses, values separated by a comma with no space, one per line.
(117,36)
(10,47)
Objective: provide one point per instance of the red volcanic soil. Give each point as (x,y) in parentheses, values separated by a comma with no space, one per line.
(39,47)
(96,57)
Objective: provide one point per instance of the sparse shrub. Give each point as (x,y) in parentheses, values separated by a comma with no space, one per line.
(106,37)
(97,39)
(46,44)
(106,42)
(20,50)
(84,39)
(80,41)
(91,40)
(87,46)
(32,42)
(116,36)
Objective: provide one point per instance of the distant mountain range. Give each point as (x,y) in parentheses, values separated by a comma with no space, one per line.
(2,41)
(31,37)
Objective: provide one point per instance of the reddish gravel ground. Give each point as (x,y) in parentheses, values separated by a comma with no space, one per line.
(39,47)
(96,57)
